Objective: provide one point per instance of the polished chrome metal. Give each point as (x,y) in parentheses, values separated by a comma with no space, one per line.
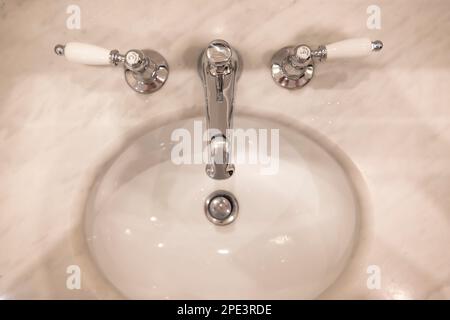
(145,71)
(115,57)
(59,49)
(320,53)
(293,67)
(377,45)
(221,207)
(219,68)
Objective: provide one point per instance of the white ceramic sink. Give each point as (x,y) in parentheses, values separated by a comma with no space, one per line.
(295,232)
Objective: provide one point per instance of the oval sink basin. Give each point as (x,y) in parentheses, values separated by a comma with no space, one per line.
(147,231)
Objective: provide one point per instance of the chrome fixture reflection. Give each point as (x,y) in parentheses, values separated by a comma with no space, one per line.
(146,71)
(293,67)
(221,207)
(219,68)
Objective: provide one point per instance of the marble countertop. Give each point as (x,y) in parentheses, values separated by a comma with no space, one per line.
(389,113)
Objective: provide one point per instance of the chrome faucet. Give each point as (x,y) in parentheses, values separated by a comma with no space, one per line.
(219,68)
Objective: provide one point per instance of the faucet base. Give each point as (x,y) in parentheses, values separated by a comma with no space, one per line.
(289,75)
(153,78)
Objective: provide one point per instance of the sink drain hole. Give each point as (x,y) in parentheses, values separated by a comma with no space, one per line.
(221,207)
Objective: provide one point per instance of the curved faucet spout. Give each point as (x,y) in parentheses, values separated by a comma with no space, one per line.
(218,68)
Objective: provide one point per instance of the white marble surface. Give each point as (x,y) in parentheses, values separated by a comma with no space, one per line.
(59,123)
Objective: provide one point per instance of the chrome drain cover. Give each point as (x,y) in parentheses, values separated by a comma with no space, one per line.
(221,207)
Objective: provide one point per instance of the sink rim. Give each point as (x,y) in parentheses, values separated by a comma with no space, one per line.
(362,235)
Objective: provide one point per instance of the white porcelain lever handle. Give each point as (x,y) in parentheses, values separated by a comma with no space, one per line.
(86,53)
(352,48)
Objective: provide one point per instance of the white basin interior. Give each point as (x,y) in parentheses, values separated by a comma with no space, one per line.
(147,231)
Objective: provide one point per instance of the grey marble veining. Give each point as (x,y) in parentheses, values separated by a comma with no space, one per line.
(390,113)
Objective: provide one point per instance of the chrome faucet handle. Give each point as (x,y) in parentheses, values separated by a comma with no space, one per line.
(218,52)
(146,71)
(219,55)
(293,67)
